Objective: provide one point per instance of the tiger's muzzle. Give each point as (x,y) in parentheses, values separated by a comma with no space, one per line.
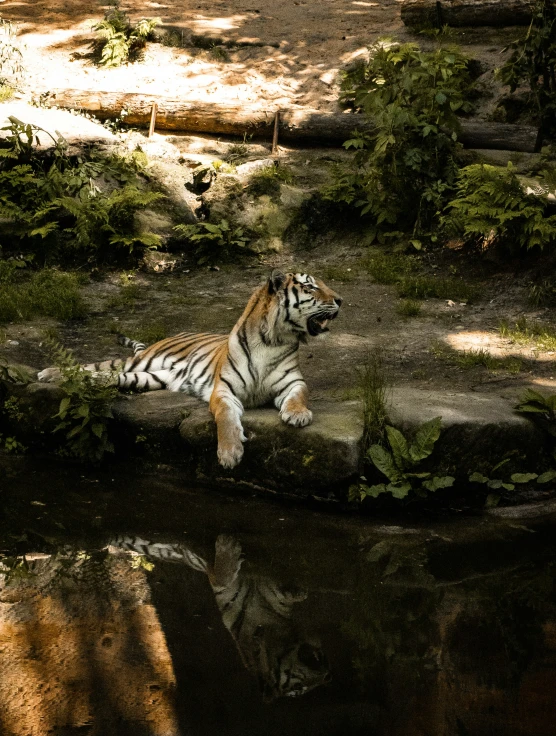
(317,324)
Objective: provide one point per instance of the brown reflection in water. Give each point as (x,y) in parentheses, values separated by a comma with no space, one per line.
(495,677)
(81,646)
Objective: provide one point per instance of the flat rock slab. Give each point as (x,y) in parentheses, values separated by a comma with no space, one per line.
(179,430)
(476,429)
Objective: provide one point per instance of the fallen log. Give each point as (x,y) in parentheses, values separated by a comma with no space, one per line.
(467,12)
(303,125)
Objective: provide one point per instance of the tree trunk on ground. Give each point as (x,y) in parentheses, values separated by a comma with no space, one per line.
(467,12)
(301,125)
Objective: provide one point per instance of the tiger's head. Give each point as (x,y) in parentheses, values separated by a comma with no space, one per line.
(289,668)
(301,304)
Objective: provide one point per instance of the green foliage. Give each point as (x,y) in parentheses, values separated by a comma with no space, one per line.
(533,62)
(47,293)
(499,484)
(54,205)
(490,207)
(84,412)
(404,167)
(399,463)
(267,181)
(213,242)
(542,407)
(119,39)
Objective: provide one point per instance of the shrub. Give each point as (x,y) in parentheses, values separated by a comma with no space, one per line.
(119,39)
(533,61)
(405,167)
(54,205)
(490,207)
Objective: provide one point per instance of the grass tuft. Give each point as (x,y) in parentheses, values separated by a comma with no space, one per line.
(431,287)
(478,357)
(530,332)
(48,293)
(374,392)
(409,308)
(337,273)
(389,268)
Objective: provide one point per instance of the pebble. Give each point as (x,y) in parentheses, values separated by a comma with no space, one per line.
(13,343)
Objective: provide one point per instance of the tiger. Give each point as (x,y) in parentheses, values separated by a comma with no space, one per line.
(256,611)
(256,363)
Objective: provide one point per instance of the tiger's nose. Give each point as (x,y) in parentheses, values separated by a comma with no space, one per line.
(338,301)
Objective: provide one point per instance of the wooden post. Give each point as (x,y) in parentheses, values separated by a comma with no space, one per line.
(275,136)
(154,110)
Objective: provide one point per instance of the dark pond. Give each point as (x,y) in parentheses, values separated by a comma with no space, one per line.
(134,607)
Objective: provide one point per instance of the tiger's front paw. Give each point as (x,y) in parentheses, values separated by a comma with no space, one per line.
(230,455)
(297,418)
(49,375)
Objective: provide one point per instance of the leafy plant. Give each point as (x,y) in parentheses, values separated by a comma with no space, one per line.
(84,412)
(55,205)
(533,61)
(404,167)
(509,485)
(490,207)
(542,407)
(399,463)
(119,39)
(213,242)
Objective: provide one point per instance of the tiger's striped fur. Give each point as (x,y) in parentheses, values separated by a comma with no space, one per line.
(255,364)
(257,612)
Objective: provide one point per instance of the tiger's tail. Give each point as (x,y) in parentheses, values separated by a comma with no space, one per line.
(136,346)
(159,551)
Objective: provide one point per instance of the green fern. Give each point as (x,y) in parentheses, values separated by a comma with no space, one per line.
(55,205)
(490,207)
(119,39)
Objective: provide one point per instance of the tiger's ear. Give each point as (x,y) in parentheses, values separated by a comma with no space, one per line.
(276,281)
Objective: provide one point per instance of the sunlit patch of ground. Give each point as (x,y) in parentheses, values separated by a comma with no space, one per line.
(497,346)
(287,54)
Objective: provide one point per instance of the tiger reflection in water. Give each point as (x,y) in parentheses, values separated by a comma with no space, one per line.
(257,613)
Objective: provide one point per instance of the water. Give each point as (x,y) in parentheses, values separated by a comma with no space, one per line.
(125,609)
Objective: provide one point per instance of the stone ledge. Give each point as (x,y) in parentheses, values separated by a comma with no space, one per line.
(177,431)
(475,428)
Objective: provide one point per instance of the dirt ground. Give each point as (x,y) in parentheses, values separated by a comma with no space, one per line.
(288,53)
(285,54)
(422,351)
